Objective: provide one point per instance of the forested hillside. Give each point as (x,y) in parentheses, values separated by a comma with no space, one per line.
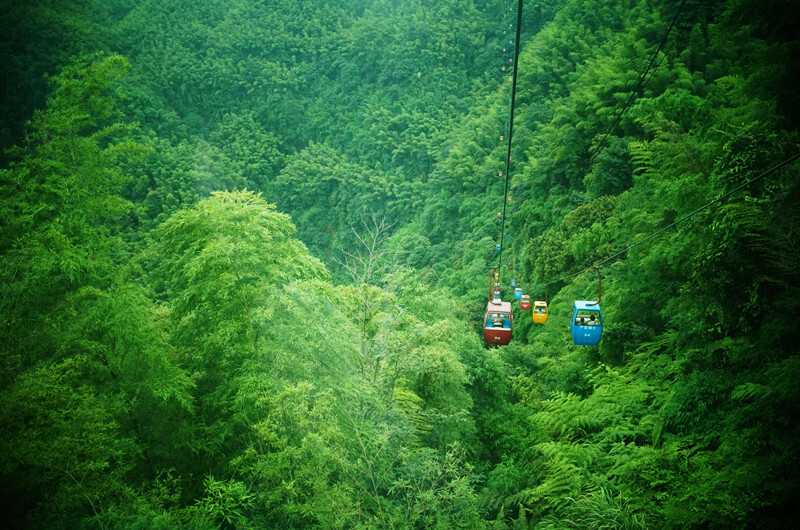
(245,248)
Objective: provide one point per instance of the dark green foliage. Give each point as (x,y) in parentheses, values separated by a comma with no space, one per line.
(177,352)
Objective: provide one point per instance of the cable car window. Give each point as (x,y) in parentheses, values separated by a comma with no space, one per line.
(498,320)
(587,317)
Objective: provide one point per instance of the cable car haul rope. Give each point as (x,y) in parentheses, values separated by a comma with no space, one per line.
(498,321)
(515,62)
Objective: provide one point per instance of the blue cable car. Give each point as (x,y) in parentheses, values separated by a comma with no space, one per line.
(518,293)
(586,323)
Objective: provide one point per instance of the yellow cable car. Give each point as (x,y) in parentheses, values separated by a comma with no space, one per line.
(539,312)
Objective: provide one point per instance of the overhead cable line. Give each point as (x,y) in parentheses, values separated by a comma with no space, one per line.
(685,217)
(644,79)
(643,82)
(639,85)
(671,45)
(510,133)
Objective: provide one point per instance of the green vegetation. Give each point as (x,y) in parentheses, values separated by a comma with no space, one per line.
(245,245)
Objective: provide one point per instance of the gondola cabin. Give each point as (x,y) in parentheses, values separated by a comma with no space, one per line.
(497,323)
(525,302)
(539,312)
(518,293)
(586,323)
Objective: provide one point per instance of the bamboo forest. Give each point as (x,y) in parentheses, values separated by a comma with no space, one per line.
(400,264)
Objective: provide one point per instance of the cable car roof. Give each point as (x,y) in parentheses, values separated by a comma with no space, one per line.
(499,307)
(587,304)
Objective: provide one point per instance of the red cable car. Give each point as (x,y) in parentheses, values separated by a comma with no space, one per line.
(498,323)
(525,302)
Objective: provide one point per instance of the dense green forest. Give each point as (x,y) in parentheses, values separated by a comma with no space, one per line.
(245,247)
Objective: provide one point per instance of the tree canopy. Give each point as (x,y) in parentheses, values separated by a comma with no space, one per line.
(245,247)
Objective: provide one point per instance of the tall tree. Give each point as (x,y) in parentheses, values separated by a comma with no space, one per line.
(80,345)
